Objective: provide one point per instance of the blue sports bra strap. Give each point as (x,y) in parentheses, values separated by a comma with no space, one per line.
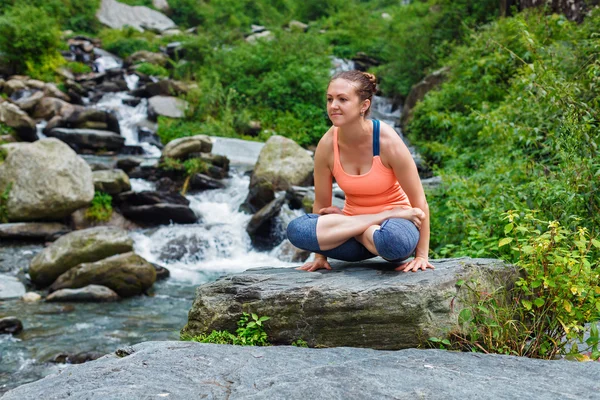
(375,137)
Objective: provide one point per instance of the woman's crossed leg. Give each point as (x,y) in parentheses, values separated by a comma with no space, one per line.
(391,234)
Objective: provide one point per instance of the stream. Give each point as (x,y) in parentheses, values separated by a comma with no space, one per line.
(194,254)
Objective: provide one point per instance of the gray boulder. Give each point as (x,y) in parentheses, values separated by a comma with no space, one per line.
(28,103)
(160,214)
(262,227)
(145,56)
(51,90)
(77,247)
(13,85)
(287,252)
(118,15)
(418,92)
(127,274)
(164,87)
(181,147)
(297,25)
(264,35)
(166,106)
(10,325)
(282,163)
(365,304)
(162,5)
(42,231)
(10,287)
(11,115)
(80,221)
(91,139)
(90,293)
(49,107)
(188,370)
(90,118)
(35,84)
(49,181)
(111,181)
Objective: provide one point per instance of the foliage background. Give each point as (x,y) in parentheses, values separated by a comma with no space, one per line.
(514,129)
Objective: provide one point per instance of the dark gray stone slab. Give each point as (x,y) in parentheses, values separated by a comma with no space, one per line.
(39,231)
(365,304)
(186,370)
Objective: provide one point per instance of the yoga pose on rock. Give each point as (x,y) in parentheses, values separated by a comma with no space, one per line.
(385,213)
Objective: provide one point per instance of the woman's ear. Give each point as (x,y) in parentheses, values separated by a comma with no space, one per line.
(365,106)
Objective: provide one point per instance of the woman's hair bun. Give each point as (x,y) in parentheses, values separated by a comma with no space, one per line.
(371,78)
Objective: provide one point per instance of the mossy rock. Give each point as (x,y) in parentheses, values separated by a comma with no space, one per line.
(127,274)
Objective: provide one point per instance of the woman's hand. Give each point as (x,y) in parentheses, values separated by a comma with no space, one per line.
(415,264)
(318,263)
(330,210)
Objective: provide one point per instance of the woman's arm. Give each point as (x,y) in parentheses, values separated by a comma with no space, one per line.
(323,190)
(396,155)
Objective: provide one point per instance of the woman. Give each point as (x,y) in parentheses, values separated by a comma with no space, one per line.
(385,213)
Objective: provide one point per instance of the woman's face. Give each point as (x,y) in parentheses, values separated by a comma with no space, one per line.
(343,104)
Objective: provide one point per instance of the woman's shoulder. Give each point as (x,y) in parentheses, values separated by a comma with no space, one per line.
(326,140)
(324,151)
(392,147)
(388,134)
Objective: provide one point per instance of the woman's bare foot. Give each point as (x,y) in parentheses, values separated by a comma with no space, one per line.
(414,215)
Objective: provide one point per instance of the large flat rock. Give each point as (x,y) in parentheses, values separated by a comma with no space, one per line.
(187,370)
(10,287)
(365,304)
(117,15)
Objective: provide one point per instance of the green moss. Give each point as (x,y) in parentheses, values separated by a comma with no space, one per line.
(101,208)
(4,201)
(152,70)
(78,68)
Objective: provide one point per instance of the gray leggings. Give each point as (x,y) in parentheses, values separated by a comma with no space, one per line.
(395,241)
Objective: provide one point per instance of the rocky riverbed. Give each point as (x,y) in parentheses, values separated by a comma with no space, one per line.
(184,370)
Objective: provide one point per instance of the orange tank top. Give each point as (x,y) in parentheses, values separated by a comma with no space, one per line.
(370,193)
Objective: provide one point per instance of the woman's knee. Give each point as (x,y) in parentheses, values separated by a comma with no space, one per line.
(302,232)
(396,239)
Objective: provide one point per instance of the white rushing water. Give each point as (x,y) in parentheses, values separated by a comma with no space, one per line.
(219,241)
(129,119)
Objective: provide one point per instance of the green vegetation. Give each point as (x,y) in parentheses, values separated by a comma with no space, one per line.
(300,343)
(101,208)
(4,197)
(153,70)
(515,127)
(5,130)
(192,167)
(78,68)
(188,168)
(126,41)
(278,82)
(250,332)
(547,308)
(76,15)
(30,41)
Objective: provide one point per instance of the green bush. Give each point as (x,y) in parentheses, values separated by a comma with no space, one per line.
(30,40)
(124,42)
(514,127)
(101,208)
(6,130)
(250,332)
(151,69)
(280,83)
(77,15)
(546,311)
(78,68)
